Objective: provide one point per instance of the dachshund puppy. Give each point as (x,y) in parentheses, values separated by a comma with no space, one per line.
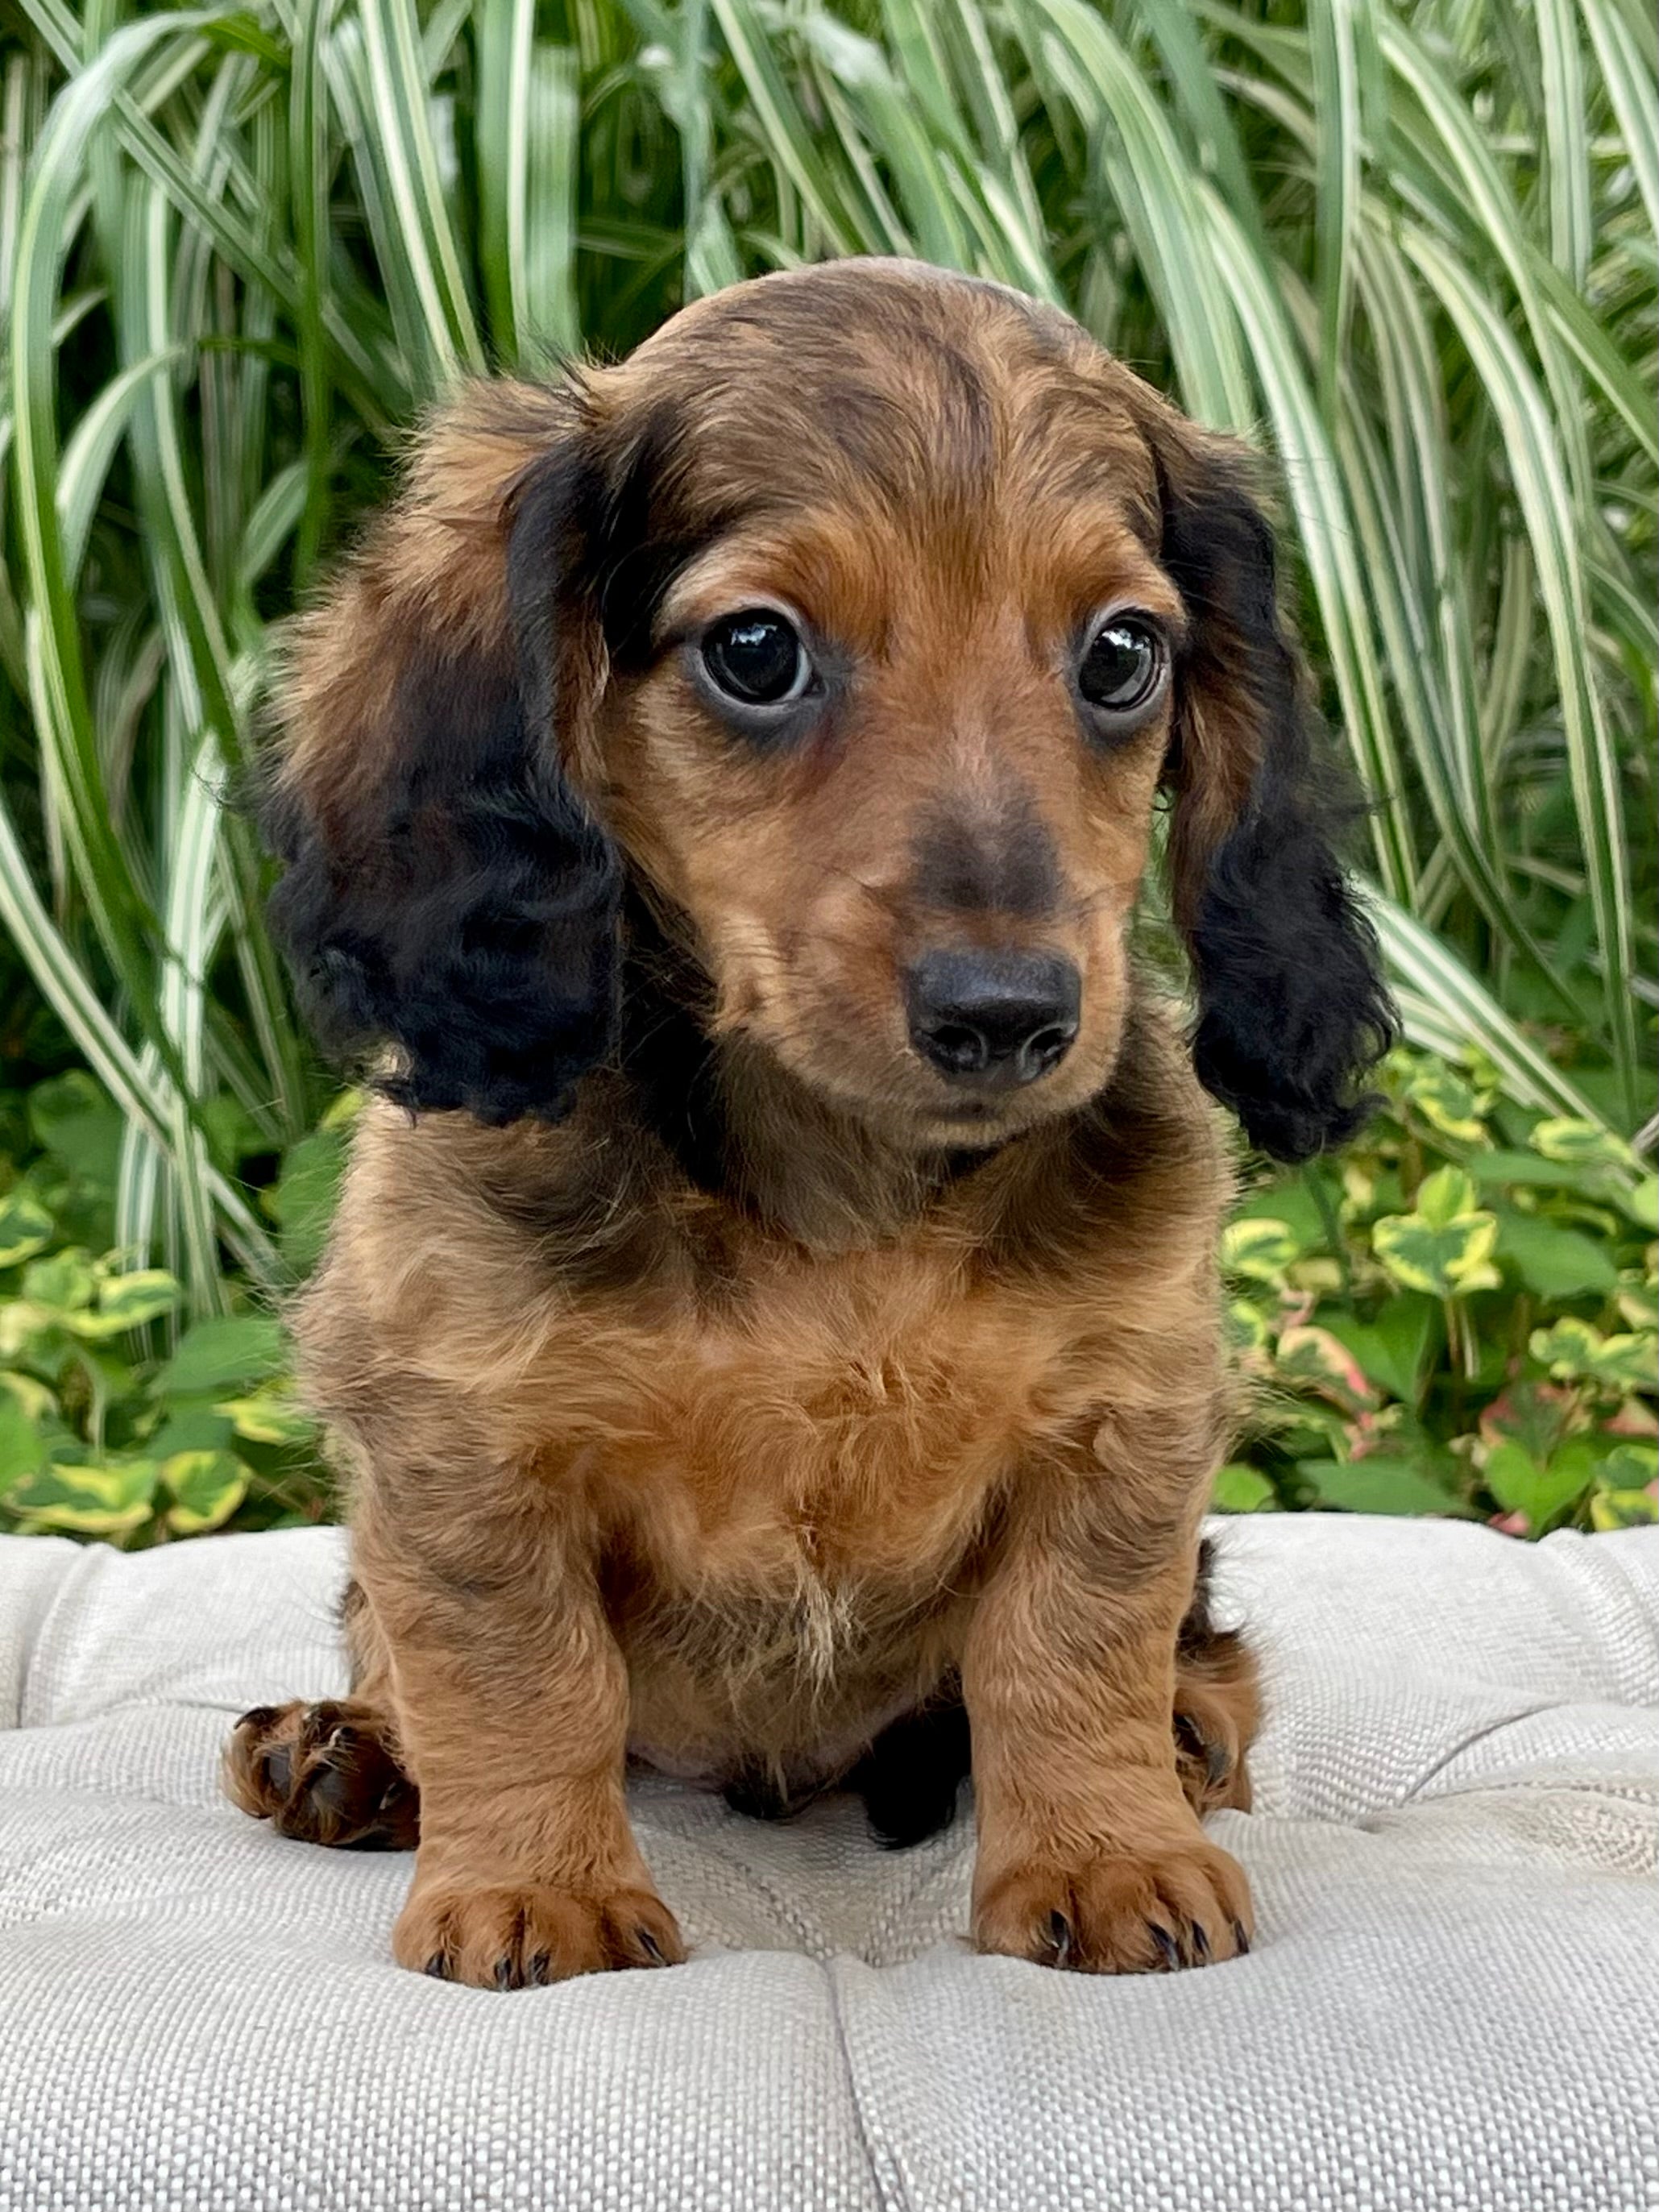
(772,1319)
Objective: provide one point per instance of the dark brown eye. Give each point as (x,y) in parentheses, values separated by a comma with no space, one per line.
(1122,666)
(756,658)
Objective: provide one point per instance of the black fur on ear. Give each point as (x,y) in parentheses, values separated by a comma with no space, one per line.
(1293,1008)
(449,903)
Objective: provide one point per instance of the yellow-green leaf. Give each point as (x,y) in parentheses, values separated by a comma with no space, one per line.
(1447,1103)
(30,1392)
(63,1283)
(25,1228)
(1445,1196)
(1242,1489)
(1623,1509)
(127,1302)
(273,1418)
(1571,1348)
(1447,1257)
(1579,1144)
(1259,1249)
(89,1501)
(207,1488)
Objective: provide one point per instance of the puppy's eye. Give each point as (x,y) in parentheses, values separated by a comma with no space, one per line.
(1123,667)
(756,658)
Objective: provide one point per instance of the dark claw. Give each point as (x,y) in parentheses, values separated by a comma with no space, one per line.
(438,1966)
(1240,1939)
(648,1943)
(331,1786)
(541,1971)
(1167,1945)
(1060,1937)
(1201,1941)
(504,1975)
(278,1769)
(1196,1745)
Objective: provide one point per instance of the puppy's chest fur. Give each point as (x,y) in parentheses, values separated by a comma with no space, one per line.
(795,1462)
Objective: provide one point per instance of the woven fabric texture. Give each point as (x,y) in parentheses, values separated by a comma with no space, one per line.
(1452,2005)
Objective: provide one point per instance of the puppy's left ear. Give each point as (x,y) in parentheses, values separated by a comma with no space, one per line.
(1292,1009)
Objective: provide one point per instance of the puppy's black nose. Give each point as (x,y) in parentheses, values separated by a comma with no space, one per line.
(994,1018)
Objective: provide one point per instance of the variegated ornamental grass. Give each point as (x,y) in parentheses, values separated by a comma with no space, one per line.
(1408,250)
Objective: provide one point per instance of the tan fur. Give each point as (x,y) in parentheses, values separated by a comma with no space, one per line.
(739,1473)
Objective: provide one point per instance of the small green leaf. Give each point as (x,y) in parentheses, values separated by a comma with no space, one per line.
(306,1193)
(1624,1508)
(1445,1197)
(1641,1204)
(128,1301)
(78,1125)
(1542,1493)
(1556,1262)
(1629,1466)
(63,1283)
(1311,1358)
(26,1228)
(1571,1349)
(23,1448)
(1377,1484)
(1537,1416)
(1446,1102)
(1580,1143)
(207,1488)
(29,1392)
(1248,1328)
(1443,1249)
(218,1354)
(193,1424)
(1242,1489)
(270,1418)
(89,1501)
(1259,1248)
(1395,1349)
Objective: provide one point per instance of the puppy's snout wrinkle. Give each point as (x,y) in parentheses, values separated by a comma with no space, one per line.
(994,1019)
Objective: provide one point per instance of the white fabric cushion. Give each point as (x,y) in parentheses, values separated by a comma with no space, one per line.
(1454,2000)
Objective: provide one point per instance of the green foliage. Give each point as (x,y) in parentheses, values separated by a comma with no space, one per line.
(121,1417)
(1456,1316)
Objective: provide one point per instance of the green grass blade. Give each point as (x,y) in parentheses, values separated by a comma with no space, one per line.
(1545,499)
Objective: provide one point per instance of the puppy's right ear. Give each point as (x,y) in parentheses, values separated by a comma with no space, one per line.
(449,903)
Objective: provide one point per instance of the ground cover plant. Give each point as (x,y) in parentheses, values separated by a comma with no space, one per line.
(1408,251)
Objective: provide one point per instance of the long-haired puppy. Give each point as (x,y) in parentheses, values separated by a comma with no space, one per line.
(772,1320)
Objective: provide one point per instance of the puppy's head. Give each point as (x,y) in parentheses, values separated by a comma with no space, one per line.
(858,619)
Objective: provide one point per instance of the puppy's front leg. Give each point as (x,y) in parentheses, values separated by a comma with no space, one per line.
(512,1708)
(1090,1856)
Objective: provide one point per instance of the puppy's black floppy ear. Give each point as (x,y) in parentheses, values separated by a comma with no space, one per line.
(1292,1009)
(449,903)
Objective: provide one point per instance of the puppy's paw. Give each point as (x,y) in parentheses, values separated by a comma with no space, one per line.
(327,1773)
(504,1937)
(1122,1912)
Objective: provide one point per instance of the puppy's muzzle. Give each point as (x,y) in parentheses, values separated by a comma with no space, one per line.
(996,1020)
